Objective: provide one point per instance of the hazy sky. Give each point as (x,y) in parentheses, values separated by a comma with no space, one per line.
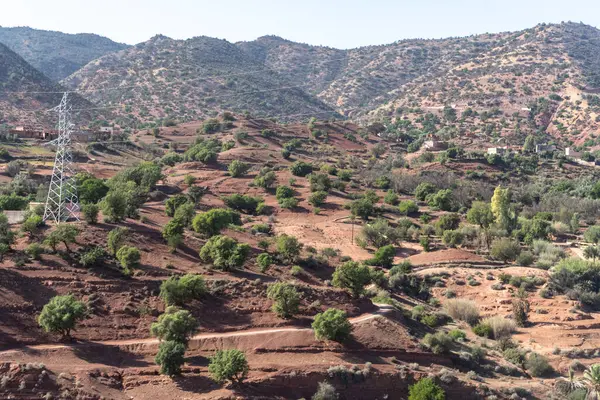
(336,23)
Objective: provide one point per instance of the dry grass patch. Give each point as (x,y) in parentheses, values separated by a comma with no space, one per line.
(501,327)
(462,310)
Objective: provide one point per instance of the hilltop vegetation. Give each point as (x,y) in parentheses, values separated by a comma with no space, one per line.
(56,54)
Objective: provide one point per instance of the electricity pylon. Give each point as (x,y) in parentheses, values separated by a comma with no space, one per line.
(62,202)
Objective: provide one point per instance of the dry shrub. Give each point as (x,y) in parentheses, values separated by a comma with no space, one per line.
(463,310)
(501,327)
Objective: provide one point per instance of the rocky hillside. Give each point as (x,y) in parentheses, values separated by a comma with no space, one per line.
(22,87)
(191,79)
(536,81)
(542,79)
(56,54)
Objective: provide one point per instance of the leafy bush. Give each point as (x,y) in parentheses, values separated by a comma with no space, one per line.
(213,221)
(300,168)
(383,257)
(362,208)
(206,151)
(391,198)
(379,233)
(93,257)
(173,203)
(537,365)
(116,239)
(170,357)
(229,365)
(447,222)
(237,168)
(129,258)
(408,207)
(317,199)
(224,252)
(266,178)
(61,314)
(505,249)
(332,325)
(288,248)
(353,276)
(438,343)
(483,330)
(264,261)
(442,200)
(180,290)
(424,189)
(34,250)
(426,389)
(286,299)
(90,213)
(242,202)
(319,182)
(174,325)
(525,258)
(452,238)
(457,334)
(463,310)
(592,234)
(514,355)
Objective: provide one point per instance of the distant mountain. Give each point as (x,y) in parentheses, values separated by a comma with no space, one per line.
(539,80)
(56,54)
(18,79)
(192,79)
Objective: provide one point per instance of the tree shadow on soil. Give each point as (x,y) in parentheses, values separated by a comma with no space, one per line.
(196,384)
(114,356)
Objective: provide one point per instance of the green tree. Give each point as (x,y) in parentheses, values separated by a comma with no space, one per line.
(424,189)
(237,168)
(441,200)
(174,325)
(173,233)
(529,145)
(266,178)
(114,206)
(592,252)
(300,168)
(185,214)
(7,236)
(229,365)
(129,258)
(211,222)
(90,213)
(61,315)
(173,203)
(384,256)
(317,199)
(408,207)
(362,208)
(170,357)
(592,234)
(426,389)
(288,248)
(93,257)
(32,224)
(65,234)
(116,239)
(91,190)
(332,324)
(480,214)
(180,290)
(224,252)
(501,208)
(286,299)
(353,276)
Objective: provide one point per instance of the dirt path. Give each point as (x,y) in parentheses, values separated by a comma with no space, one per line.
(382,309)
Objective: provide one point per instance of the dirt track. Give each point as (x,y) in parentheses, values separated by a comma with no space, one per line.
(383,309)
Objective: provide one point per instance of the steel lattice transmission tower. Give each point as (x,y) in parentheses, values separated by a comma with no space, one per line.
(62,202)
